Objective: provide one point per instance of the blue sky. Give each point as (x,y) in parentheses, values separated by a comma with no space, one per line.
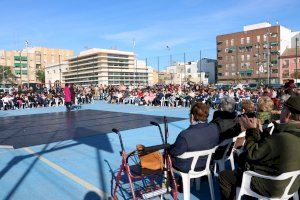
(183,25)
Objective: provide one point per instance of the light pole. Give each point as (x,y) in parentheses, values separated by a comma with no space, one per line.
(59,70)
(268,55)
(26,46)
(2,57)
(297,60)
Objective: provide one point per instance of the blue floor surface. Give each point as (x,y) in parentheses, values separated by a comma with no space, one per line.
(80,169)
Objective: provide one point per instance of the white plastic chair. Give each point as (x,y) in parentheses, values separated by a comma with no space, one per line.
(197,174)
(269,126)
(245,188)
(220,164)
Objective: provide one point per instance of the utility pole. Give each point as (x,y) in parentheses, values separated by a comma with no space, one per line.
(200,63)
(268,55)
(26,46)
(184,67)
(158,68)
(20,58)
(297,74)
(59,70)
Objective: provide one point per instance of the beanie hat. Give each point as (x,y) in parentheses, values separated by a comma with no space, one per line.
(293,104)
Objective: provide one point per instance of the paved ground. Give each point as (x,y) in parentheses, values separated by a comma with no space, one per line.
(81,168)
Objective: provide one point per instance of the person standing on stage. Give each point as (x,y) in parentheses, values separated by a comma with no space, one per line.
(73,94)
(67,97)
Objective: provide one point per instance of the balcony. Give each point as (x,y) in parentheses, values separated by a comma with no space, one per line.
(219,42)
(274,62)
(274,43)
(20,58)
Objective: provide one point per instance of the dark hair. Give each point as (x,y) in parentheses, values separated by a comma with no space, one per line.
(67,84)
(200,111)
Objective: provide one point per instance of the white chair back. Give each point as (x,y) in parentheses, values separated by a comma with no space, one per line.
(270,127)
(245,188)
(197,174)
(196,155)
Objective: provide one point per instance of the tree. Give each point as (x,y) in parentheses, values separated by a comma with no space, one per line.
(40,75)
(9,77)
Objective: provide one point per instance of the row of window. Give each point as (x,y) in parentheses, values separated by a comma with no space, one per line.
(247,40)
(127,73)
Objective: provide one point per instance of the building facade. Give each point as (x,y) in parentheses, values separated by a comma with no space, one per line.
(106,67)
(209,66)
(290,64)
(180,73)
(253,54)
(53,74)
(26,63)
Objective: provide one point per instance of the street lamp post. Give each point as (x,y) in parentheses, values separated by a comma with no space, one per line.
(26,46)
(297,60)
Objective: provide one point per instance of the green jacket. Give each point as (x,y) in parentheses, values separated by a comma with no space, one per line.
(273,155)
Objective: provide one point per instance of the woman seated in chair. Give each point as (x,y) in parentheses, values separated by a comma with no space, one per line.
(200,135)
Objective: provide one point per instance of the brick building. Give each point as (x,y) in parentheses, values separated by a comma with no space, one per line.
(253,54)
(288,64)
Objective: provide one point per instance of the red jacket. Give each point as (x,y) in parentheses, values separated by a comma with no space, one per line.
(67,94)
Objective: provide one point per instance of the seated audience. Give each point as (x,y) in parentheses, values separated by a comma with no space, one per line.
(272,155)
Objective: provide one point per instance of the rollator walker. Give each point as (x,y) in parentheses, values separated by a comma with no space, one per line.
(155,183)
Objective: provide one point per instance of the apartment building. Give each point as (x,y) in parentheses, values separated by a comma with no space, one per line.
(253,54)
(180,72)
(107,67)
(25,63)
(290,64)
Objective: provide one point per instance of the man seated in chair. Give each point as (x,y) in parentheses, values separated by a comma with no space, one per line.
(200,135)
(271,156)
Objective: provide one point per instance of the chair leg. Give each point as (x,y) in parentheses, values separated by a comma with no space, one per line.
(211,187)
(232,161)
(238,193)
(198,180)
(296,196)
(186,186)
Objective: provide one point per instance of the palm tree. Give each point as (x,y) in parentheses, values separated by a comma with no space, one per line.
(7,76)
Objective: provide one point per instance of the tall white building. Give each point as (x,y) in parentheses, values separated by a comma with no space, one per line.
(106,67)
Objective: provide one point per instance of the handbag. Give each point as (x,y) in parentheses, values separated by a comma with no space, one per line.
(150,161)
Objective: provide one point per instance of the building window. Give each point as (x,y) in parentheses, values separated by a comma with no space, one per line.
(242,57)
(232,42)
(258,38)
(248,40)
(226,42)
(242,40)
(232,58)
(248,56)
(265,38)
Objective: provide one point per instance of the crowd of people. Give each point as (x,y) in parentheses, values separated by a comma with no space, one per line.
(236,110)
(24,97)
(187,95)
(270,152)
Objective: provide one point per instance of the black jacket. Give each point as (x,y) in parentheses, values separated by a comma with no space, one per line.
(202,136)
